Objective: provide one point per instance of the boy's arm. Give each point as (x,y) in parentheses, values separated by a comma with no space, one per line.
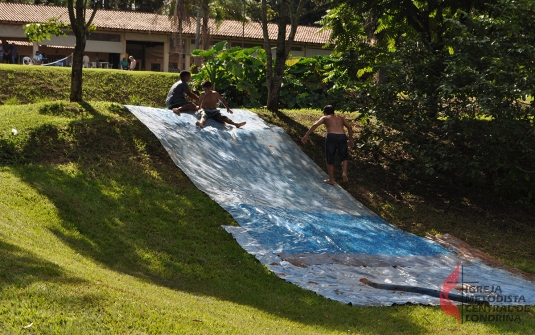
(350,143)
(220,98)
(314,126)
(201,99)
(192,95)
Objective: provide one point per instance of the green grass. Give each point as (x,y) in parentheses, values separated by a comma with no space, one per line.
(30,84)
(101,233)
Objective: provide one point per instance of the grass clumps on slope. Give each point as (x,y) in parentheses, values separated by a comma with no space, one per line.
(29,84)
(101,233)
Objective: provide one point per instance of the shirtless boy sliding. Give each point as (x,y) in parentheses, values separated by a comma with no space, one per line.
(336,140)
(208,102)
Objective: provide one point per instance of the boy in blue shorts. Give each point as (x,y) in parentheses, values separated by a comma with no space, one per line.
(336,140)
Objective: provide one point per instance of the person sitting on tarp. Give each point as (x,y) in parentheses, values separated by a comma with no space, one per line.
(176,98)
(208,102)
(336,140)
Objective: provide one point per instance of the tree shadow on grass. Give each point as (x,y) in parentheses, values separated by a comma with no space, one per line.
(20,268)
(135,212)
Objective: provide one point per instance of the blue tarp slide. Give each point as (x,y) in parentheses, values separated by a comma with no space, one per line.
(311,234)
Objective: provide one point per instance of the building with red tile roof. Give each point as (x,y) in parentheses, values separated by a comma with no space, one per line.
(148,37)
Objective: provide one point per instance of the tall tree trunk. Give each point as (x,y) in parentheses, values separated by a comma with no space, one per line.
(80,28)
(198,33)
(179,14)
(76,73)
(180,45)
(267,48)
(289,12)
(205,20)
(280,60)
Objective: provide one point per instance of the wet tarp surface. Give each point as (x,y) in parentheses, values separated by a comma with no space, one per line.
(312,234)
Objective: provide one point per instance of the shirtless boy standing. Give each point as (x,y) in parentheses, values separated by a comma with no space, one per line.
(208,102)
(336,140)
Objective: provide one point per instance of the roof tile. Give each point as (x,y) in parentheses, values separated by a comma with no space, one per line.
(149,22)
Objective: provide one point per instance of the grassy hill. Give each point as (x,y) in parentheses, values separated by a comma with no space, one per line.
(28,84)
(100,233)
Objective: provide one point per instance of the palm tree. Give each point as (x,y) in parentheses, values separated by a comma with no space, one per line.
(179,12)
(218,10)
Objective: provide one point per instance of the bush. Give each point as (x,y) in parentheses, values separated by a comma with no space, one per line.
(239,74)
(455,109)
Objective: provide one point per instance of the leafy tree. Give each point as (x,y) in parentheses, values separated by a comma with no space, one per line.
(453,101)
(179,11)
(37,32)
(237,73)
(288,14)
(41,31)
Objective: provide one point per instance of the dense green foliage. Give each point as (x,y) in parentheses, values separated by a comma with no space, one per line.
(237,73)
(37,32)
(240,75)
(451,101)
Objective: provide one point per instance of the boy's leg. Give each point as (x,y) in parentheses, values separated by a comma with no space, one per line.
(203,120)
(201,123)
(188,108)
(330,150)
(343,154)
(344,171)
(229,121)
(330,170)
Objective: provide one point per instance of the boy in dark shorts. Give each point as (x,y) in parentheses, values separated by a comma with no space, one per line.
(208,102)
(176,98)
(336,140)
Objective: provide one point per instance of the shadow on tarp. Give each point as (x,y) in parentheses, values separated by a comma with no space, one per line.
(273,190)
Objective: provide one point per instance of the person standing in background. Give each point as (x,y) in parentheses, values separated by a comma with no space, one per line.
(7,53)
(1,51)
(132,63)
(14,54)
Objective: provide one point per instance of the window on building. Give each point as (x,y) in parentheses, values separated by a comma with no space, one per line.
(100,37)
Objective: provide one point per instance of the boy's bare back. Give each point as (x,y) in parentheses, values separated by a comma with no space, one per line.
(334,124)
